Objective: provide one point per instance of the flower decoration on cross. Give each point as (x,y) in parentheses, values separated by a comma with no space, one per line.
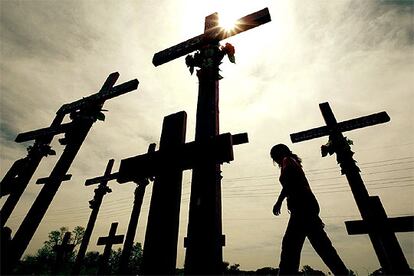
(209,58)
(330,147)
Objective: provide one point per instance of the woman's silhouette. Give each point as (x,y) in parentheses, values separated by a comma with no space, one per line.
(304,216)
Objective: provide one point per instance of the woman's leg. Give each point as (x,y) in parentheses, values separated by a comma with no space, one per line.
(323,246)
(291,247)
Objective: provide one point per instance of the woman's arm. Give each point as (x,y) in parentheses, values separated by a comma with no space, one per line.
(278,204)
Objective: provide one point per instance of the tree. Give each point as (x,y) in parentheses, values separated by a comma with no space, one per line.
(77,235)
(45,257)
(307,270)
(91,259)
(135,260)
(90,263)
(56,237)
(231,269)
(267,271)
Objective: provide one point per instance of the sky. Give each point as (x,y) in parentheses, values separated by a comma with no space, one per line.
(356,55)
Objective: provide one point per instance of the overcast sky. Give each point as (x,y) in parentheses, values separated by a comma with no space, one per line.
(356,55)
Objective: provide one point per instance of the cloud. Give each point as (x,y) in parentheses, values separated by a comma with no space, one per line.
(31,30)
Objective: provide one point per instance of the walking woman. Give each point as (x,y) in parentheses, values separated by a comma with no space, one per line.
(304,216)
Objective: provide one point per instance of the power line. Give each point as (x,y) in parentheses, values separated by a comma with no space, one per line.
(342,182)
(126,203)
(324,217)
(271,176)
(83,213)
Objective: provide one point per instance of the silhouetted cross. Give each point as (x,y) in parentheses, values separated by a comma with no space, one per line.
(204,239)
(133,221)
(375,221)
(108,241)
(64,247)
(62,250)
(94,204)
(167,164)
(84,114)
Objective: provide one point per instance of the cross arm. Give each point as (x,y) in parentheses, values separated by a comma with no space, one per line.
(250,21)
(44,180)
(107,92)
(214,34)
(398,224)
(183,157)
(104,178)
(100,179)
(118,239)
(309,134)
(370,120)
(34,134)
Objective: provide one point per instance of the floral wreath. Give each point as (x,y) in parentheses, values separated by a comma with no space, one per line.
(210,57)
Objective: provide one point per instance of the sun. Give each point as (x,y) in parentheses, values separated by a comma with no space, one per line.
(228,19)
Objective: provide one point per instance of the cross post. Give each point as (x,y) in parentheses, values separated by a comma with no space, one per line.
(382,237)
(108,241)
(83,116)
(62,250)
(161,236)
(133,221)
(95,205)
(204,235)
(166,165)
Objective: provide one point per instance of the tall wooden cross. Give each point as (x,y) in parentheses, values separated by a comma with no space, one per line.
(375,221)
(62,250)
(161,236)
(17,178)
(83,113)
(167,164)
(204,237)
(108,241)
(133,221)
(94,204)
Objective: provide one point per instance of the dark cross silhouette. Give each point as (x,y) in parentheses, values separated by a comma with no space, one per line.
(379,228)
(44,180)
(167,164)
(62,251)
(108,241)
(133,221)
(5,248)
(161,237)
(83,113)
(205,240)
(17,178)
(94,204)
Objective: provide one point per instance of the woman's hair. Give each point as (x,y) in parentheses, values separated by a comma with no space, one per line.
(281,150)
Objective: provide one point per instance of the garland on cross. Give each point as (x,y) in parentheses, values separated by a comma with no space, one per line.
(210,57)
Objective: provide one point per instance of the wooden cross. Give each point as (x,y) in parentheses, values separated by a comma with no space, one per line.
(375,221)
(94,204)
(108,241)
(84,113)
(62,250)
(167,164)
(205,239)
(133,221)
(17,178)
(19,175)
(161,237)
